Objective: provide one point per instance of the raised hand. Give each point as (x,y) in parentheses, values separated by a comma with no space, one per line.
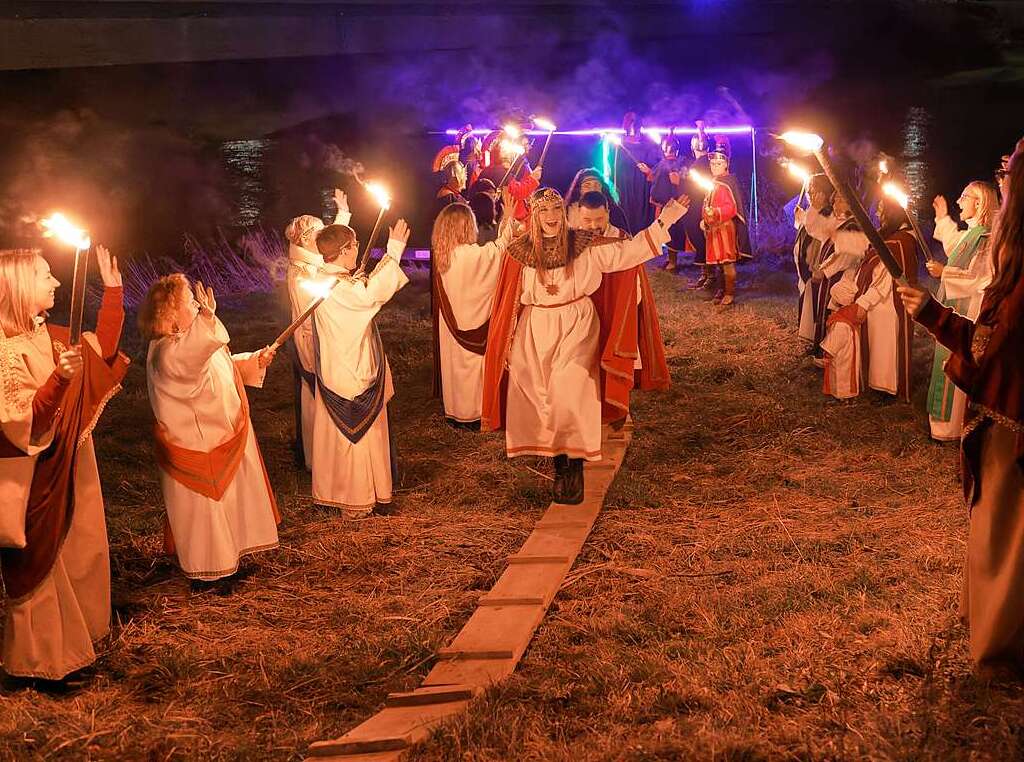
(940,206)
(109,273)
(70,363)
(205,298)
(400,232)
(934,268)
(644,167)
(674,210)
(536,173)
(341,200)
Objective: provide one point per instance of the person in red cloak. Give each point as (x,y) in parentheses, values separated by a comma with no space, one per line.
(499,158)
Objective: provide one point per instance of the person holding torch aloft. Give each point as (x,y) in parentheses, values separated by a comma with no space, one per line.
(986,361)
(53,536)
(220,506)
(304,262)
(723,221)
(353,464)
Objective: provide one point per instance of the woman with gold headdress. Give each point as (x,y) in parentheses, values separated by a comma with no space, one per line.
(544,333)
(963,280)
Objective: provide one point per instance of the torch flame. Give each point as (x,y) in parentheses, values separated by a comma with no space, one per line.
(897,194)
(800,173)
(58,226)
(545,124)
(702,181)
(321,289)
(805,141)
(380,194)
(512,147)
(512,131)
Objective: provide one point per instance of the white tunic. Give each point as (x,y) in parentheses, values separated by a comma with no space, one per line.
(882,323)
(469,283)
(192,390)
(554,404)
(302,264)
(50,633)
(353,477)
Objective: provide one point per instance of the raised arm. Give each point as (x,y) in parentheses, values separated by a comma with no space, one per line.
(110,319)
(630,252)
(947,233)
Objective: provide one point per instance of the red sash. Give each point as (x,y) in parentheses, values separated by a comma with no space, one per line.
(209,473)
(51,501)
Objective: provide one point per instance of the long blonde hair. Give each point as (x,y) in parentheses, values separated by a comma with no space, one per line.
(454,227)
(988,202)
(156,315)
(17,276)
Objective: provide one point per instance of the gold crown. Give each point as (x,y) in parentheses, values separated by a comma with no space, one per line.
(546,196)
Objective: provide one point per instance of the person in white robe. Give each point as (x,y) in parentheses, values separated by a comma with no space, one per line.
(49,632)
(468,273)
(304,261)
(553,401)
(841,266)
(352,463)
(872,308)
(225,510)
(962,283)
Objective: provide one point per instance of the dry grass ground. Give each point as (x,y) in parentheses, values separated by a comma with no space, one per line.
(774,576)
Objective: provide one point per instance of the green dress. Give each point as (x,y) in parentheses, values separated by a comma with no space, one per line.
(941,389)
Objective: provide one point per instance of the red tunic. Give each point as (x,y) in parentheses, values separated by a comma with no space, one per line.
(720,211)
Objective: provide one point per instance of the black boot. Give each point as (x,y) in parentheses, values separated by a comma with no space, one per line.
(573,494)
(561,472)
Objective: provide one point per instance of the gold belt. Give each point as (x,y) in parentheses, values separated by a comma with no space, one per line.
(563,304)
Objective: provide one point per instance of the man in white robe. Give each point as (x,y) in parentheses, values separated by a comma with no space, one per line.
(304,262)
(352,468)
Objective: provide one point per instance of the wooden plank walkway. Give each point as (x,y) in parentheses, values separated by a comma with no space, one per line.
(496,635)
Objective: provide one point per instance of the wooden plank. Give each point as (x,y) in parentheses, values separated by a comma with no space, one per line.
(495,632)
(491,643)
(533,559)
(432,695)
(493,600)
(391,729)
(556,542)
(528,581)
(475,672)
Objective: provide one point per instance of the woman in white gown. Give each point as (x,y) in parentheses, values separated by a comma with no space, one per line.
(463,276)
(544,329)
(220,506)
